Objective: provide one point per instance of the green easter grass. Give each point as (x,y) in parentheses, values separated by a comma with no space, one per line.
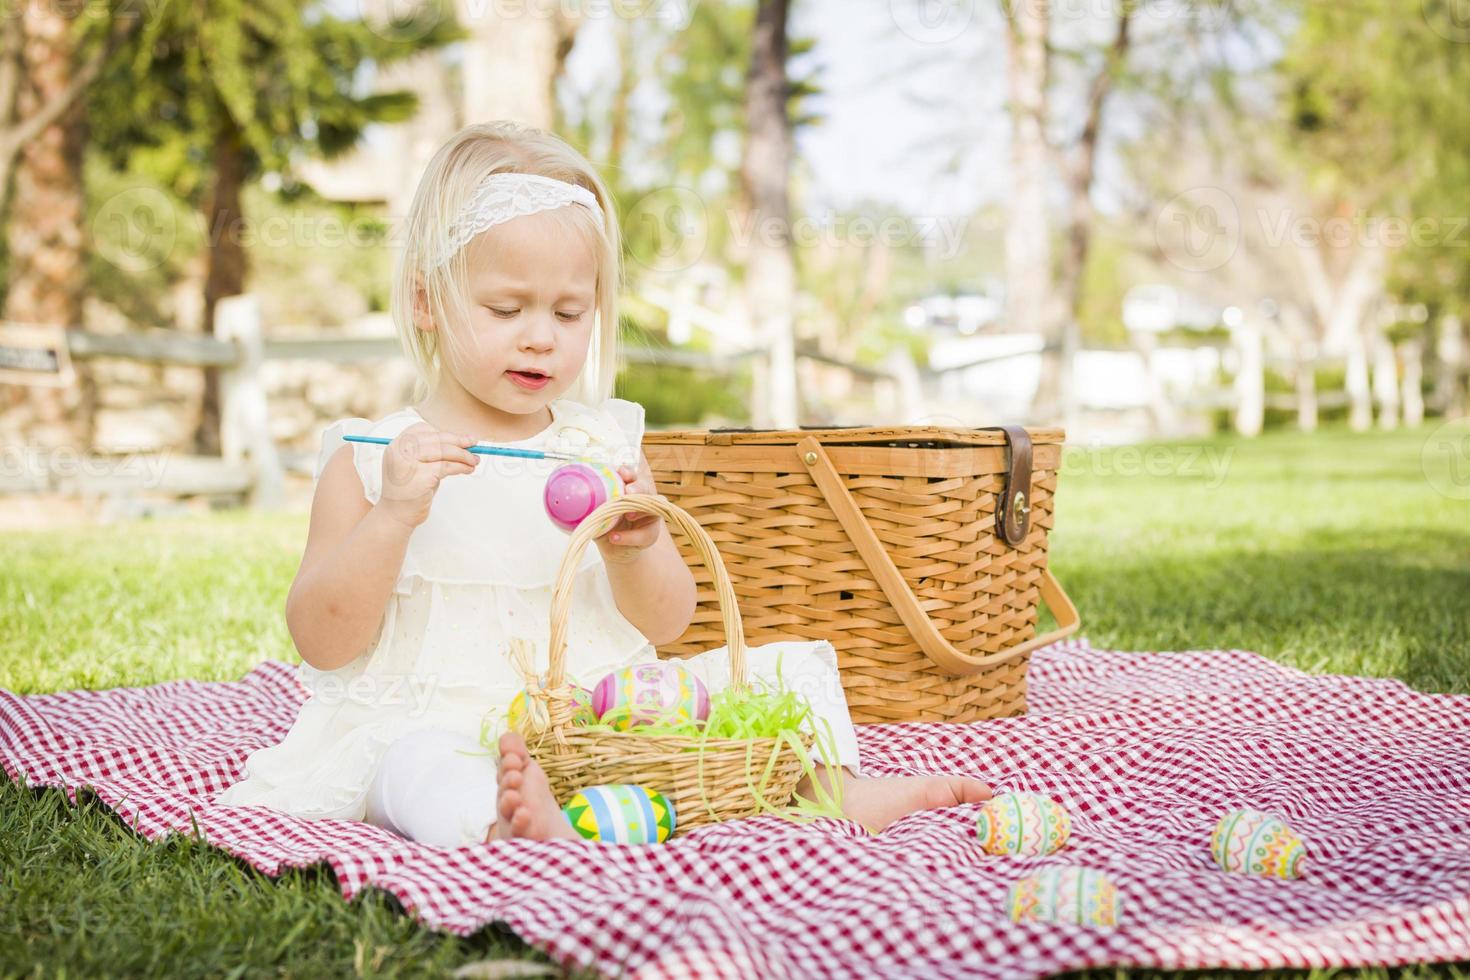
(1335,553)
(756,711)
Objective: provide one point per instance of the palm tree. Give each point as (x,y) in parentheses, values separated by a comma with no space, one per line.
(225,91)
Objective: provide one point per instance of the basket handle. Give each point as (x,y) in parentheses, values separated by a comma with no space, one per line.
(896,587)
(647,503)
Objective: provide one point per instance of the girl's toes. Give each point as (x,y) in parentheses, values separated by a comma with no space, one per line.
(510,802)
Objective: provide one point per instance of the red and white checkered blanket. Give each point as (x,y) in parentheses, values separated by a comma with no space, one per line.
(1145,749)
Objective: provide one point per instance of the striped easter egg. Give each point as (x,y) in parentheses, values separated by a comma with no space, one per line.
(1065,893)
(1257,843)
(581,716)
(648,693)
(621,813)
(1023,824)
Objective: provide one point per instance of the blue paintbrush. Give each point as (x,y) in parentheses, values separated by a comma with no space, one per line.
(483,449)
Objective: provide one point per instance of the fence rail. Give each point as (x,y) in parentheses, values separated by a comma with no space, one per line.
(250,464)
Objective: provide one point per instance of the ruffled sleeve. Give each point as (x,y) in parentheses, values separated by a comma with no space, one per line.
(629,416)
(367,458)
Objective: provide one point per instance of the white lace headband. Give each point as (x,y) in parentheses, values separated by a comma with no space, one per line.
(503,196)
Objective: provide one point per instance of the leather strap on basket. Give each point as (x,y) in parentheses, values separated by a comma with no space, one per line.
(1013,507)
(896,588)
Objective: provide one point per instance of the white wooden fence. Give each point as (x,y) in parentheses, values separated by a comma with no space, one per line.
(250,466)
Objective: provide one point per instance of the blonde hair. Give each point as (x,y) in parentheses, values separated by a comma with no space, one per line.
(447,185)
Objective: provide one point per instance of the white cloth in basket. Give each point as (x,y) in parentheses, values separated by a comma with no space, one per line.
(478,571)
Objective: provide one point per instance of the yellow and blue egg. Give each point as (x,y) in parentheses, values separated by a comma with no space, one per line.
(621,813)
(581,715)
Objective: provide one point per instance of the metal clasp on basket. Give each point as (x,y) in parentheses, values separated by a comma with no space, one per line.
(1019,505)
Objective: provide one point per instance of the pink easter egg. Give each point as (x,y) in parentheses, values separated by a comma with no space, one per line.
(648,693)
(575,490)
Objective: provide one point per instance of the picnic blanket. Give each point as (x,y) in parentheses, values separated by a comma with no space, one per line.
(1146,750)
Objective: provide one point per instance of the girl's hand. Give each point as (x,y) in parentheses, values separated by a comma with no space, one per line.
(633,533)
(414,463)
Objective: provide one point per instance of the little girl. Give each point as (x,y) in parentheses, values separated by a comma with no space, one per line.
(423,559)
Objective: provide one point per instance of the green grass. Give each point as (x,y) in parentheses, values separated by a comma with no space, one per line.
(1336,553)
(1331,553)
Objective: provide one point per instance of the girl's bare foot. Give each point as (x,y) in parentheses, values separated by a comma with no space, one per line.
(526,807)
(876,803)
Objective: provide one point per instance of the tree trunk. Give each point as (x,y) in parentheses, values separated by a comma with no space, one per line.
(765,173)
(1449,356)
(1306,395)
(1055,391)
(1304,369)
(619,113)
(512,61)
(46,235)
(1386,383)
(1413,398)
(226,273)
(1343,308)
(1028,264)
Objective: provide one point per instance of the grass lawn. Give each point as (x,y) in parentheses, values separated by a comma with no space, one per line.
(1340,553)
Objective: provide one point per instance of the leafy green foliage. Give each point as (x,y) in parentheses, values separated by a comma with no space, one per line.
(289,75)
(1377,110)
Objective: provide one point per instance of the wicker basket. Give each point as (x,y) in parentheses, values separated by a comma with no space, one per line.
(919,552)
(708,786)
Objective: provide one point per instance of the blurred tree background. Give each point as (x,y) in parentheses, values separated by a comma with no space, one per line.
(157,160)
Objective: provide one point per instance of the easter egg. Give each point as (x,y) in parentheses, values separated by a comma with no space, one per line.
(1023,824)
(1065,893)
(581,716)
(575,490)
(621,813)
(648,693)
(1256,843)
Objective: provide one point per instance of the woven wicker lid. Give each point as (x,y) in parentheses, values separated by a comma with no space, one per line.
(919,435)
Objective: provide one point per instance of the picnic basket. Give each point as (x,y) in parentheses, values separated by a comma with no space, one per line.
(707,780)
(919,552)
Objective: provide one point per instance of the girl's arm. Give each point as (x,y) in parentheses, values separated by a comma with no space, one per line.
(353,554)
(654,588)
(354,548)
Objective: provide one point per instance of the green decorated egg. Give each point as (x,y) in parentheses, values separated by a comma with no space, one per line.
(1256,843)
(1066,893)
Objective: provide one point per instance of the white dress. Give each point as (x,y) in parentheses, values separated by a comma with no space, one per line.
(479,570)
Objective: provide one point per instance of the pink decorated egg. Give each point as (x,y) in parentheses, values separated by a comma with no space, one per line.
(647,693)
(575,490)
